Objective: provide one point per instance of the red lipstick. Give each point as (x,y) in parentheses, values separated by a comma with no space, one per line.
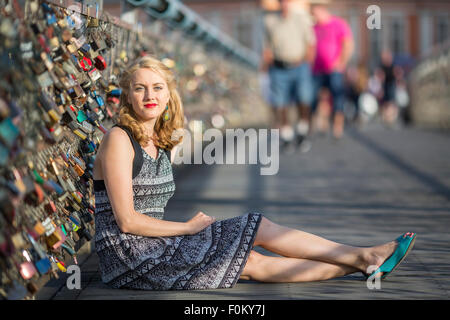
(150,105)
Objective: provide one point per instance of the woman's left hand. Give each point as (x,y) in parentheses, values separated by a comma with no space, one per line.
(199,222)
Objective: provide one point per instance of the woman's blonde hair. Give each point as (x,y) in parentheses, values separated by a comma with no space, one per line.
(163,129)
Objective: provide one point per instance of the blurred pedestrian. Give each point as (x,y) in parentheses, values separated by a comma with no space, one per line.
(335,47)
(389,108)
(375,84)
(288,52)
(357,84)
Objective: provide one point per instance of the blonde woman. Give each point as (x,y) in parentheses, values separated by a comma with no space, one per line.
(138,249)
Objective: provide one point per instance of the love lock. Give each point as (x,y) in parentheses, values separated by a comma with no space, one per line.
(85,64)
(100,62)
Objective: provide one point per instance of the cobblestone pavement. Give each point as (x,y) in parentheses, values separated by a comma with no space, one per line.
(364,190)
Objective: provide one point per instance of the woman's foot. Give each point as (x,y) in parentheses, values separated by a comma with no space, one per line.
(377,255)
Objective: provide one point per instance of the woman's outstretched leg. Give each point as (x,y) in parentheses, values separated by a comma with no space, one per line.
(281,269)
(294,243)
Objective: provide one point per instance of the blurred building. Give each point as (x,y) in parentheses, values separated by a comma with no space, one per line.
(410,28)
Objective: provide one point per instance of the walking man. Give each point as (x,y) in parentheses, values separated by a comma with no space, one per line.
(288,52)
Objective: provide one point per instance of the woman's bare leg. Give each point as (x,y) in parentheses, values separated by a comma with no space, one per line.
(281,269)
(299,244)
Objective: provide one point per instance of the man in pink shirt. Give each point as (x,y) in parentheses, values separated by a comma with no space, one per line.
(334,48)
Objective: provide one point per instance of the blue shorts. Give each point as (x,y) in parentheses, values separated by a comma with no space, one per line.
(291,85)
(389,92)
(334,81)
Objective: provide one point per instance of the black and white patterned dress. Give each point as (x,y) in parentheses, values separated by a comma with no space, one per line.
(212,258)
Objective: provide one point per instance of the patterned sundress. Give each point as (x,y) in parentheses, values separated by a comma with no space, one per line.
(212,258)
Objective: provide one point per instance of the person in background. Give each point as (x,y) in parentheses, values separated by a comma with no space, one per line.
(334,48)
(389,109)
(289,45)
(357,84)
(375,84)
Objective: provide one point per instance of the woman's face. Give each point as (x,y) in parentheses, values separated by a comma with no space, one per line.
(149,94)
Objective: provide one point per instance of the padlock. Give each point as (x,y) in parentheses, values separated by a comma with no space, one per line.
(100,63)
(26,49)
(27,270)
(85,50)
(68,249)
(42,262)
(75,223)
(53,186)
(50,207)
(34,195)
(43,43)
(45,80)
(66,34)
(77,196)
(54,43)
(87,85)
(61,266)
(93,22)
(72,48)
(88,127)
(8,132)
(87,217)
(108,41)
(78,42)
(78,170)
(103,83)
(54,115)
(81,116)
(78,91)
(99,100)
(39,228)
(84,233)
(80,134)
(63,229)
(70,68)
(18,241)
(85,63)
(94,74)
(63,25)
(54,238)
(38,27)
(49,226)
(37,177)
(62,237)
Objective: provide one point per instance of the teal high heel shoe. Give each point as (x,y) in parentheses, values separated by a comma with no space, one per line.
(405,244)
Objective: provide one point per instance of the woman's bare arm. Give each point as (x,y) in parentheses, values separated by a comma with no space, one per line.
(173,153)
(117,164)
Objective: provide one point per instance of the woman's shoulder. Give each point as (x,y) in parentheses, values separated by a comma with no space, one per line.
(115,140)
(116,134)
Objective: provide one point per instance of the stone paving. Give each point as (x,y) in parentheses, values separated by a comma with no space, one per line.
(366,189)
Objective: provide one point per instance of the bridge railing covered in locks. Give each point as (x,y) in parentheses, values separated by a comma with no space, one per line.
(430,90)
(59,70)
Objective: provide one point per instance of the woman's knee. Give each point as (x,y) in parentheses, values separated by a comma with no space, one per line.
(265,230)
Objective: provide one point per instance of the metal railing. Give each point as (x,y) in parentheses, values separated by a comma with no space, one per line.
(179,16)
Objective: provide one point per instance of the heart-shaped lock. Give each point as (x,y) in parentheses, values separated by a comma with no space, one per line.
(85,64)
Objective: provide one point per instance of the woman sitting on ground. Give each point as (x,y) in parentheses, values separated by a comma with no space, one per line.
(138,249)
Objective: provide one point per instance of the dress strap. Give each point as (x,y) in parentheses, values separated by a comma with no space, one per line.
(138,157)
(168,152)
